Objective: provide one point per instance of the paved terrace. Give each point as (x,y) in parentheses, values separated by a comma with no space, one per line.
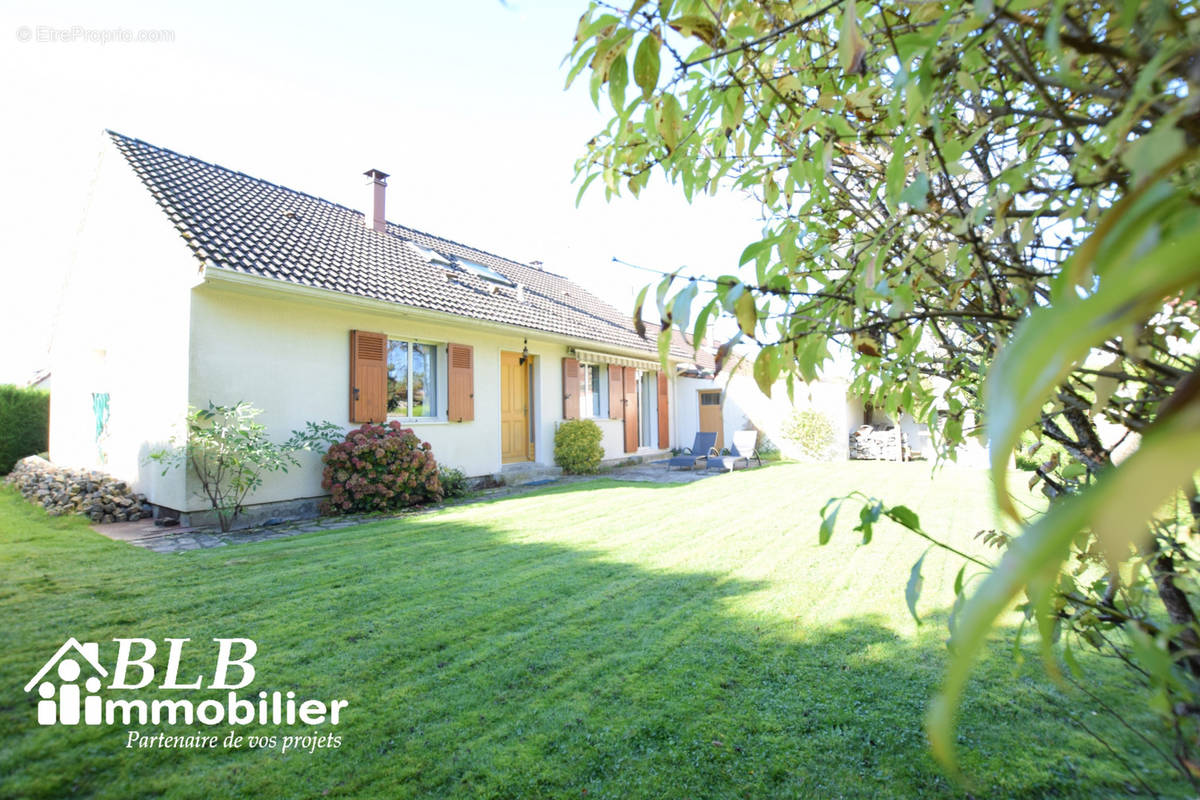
(144,533)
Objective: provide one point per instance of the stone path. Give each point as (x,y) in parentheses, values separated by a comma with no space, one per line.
(144,533)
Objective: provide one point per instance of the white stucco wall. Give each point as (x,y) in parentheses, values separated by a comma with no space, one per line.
(122,328)
(744,406)
(613,438)
(291,357)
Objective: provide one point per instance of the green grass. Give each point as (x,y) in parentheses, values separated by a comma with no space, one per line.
(600,639)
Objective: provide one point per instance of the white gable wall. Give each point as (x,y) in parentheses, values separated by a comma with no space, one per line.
(122,329)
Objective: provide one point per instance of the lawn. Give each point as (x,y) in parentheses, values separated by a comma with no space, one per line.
(601,639)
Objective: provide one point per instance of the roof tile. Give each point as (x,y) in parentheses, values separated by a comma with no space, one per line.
(259,228)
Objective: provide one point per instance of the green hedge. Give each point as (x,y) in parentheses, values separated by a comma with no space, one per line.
(24,424)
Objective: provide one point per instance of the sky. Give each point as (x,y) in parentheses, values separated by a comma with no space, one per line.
(463,103)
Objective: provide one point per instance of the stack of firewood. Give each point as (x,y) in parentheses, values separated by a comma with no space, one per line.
(878,444)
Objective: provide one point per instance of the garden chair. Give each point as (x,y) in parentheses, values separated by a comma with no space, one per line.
(703,447)
(742,452)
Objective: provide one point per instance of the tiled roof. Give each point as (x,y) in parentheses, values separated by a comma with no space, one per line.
(256,227)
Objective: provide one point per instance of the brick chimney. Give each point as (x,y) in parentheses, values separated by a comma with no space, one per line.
(376,219)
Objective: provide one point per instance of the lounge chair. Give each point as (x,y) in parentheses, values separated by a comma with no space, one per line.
(701,449)
(742,452)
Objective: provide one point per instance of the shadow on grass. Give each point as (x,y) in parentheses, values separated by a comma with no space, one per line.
(476,666)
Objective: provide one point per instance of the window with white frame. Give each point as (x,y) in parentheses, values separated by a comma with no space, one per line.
(594,402)
(412,381)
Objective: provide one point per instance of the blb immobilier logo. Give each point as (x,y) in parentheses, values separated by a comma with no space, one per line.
(74,687)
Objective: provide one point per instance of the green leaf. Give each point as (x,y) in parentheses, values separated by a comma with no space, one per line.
(868,515)
(1069,660)
(915,194)
(905,516)
(681,306)
(1153,150)
(664,345)
(766,369)
(1047,345)
(897,170)
(753,250)
(638,324)
(660,295)
(670,121)
(1073,470)
(1116,508)
(827,522)
(646,65)
(702,320)
(958,579)
(746,311)
(852,47)
(618,79)
(912,591)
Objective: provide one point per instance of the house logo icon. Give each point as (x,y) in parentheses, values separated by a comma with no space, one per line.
(65,704)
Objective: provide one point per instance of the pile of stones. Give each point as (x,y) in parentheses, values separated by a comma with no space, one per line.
(97,495)
(879,444)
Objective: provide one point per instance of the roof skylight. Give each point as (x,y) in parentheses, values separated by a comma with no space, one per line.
(432,256)
(487,273)
(474,267)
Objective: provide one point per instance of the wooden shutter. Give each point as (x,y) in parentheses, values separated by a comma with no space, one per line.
(616,394)
(368,376)
(664,419)
(571,384)
(461,360)
(631,415)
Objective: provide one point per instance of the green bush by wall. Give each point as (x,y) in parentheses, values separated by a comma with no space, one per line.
(812,432)
(577,446)
(24,424)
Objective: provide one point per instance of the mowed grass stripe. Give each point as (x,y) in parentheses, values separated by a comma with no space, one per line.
(627,640)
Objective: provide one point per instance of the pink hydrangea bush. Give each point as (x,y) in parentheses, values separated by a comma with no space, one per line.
(380,468)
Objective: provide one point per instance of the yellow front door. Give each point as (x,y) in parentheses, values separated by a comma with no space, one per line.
(514,408)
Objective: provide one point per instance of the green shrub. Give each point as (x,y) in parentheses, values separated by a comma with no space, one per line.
(24,424)
(812,432)
(454,483)
(229,452)
(380,468)
(577,446)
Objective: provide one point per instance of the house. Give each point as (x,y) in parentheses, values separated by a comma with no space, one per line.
(197,283)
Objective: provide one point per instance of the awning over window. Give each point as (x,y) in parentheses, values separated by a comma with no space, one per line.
(592,357)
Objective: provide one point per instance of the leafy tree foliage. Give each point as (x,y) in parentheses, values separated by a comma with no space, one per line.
(228,451)
(993,207)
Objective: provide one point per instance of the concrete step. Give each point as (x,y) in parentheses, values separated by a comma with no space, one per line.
(527,472)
